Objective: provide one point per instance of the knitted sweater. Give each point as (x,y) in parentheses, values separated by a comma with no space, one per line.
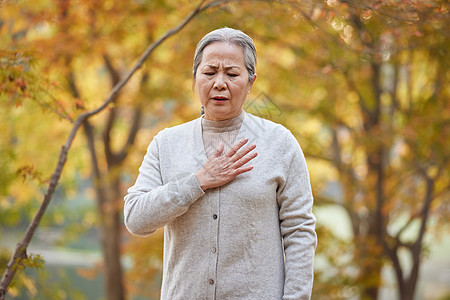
(252,238)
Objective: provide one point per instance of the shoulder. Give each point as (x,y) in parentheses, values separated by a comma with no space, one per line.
(268,130)
(180,130)
(275,139)
(174,136)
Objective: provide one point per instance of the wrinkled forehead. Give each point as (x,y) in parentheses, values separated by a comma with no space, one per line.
(222,54)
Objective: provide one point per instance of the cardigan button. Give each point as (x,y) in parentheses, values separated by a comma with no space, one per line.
(214,250)
(214,216)
(211,281)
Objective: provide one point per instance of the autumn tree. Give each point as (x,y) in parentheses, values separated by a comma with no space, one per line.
(372,86)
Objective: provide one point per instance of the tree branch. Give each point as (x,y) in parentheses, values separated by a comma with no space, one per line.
(122,154)
(113,72)
(107,134)
(113,158)
(98,184)
(424,214)
(115,78)
(366,113)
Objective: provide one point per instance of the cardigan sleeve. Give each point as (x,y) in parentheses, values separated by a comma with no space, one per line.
(297,224)
(150,204)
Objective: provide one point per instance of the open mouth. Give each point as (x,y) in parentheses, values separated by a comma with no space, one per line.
(220,98)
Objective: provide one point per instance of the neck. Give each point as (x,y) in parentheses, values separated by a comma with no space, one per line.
(208,116)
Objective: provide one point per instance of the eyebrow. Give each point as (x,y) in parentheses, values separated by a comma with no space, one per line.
(226,68)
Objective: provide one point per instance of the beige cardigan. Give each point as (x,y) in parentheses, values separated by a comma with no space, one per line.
(252,238)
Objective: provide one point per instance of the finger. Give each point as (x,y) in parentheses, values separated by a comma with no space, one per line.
(219,150)
(242,161)
(236,147)
(243,170)
(241,154)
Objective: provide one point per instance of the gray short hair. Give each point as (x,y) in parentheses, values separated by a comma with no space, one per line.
(232,36)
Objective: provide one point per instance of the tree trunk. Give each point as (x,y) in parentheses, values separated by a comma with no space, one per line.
(110,224)
(408,291)
(371,268)
(110,231)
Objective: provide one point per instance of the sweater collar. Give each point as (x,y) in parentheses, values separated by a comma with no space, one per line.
(246,130)
(223,126)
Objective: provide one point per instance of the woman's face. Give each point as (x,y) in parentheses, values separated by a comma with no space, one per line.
(222,81)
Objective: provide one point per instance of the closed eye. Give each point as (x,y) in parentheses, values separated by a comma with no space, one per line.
(233,75)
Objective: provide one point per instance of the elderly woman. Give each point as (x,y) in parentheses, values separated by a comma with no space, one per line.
(238,224)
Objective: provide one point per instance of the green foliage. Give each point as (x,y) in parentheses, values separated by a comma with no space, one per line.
(22,283)
(60,289)
(34,261)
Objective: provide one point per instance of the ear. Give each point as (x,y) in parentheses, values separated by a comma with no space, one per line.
(251,83)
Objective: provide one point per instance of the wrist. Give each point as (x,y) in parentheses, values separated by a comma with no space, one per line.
(200,179)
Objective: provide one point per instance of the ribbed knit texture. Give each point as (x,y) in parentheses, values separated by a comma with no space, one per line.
(216,132)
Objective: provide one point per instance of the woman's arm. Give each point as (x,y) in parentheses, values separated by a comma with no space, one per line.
(297,224)
(149,204)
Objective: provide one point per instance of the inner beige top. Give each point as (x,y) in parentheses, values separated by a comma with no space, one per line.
(216,132)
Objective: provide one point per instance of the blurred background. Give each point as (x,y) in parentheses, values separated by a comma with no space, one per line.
(363,85)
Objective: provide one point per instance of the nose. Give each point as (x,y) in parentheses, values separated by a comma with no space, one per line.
(220,83)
